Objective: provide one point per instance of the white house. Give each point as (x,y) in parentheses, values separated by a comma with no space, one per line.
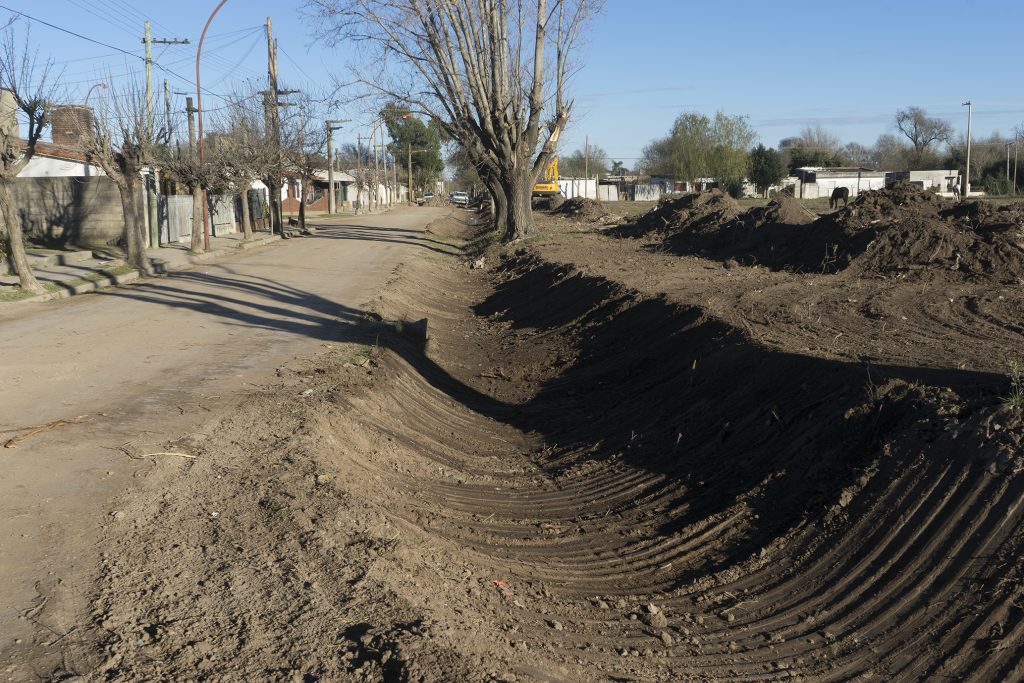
(818,181)
(941,181)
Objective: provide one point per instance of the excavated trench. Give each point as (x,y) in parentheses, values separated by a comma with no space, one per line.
(582,482)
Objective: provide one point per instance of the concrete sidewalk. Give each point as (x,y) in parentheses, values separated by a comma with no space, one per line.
(67,273)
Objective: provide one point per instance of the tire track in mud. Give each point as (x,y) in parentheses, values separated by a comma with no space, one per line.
(866,566)
(578,481)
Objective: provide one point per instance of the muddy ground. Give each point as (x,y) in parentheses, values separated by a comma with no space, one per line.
(614,460)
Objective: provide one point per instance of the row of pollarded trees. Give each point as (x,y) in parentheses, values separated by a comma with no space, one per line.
(240,150)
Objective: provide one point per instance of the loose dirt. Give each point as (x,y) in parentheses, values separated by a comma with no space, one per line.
(581,209)
(899,232)
(605,464)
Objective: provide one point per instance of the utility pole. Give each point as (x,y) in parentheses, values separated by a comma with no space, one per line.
(1015,138)
(148,40)
(332,125)
(359,173)
(167,107)
(967,180)
(383,163)
(154,228)
(376,168)
(586,159)
(1008,161)
(410,195)
(197,191)
(274,126)
(273,121)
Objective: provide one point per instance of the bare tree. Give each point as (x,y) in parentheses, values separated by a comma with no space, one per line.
(922,130)
(240,153)
(481,69)
(182,163)
(121,145)
(353,163)
(28,83)
(304,143)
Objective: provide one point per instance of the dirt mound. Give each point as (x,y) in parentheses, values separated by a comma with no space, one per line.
(552,203)
(693,213)
(903,231)
(900,231)
(782,210)
(580,209)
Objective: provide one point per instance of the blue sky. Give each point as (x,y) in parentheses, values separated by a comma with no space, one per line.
(848,66)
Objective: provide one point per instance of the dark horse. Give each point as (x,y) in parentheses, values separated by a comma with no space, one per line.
(837,194)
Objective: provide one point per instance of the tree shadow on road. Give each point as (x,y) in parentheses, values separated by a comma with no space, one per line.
(364,233)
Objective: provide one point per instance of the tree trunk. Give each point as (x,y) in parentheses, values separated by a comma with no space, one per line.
(196,243)
(246,218)
(302,207)
(26,279)
(500,211)
(499,201)
(519,212)
(134,222)
(276,221)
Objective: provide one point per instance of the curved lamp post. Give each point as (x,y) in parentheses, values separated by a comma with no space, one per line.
(85,102)
(199,111)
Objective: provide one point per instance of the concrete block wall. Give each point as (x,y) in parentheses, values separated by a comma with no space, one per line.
(64,211)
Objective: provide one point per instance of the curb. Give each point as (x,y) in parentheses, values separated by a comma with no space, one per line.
(83,288)
(209,256)
(124,278)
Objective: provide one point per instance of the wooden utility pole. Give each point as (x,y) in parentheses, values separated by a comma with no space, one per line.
(274,126)
(167,108)
(586,159)
(388,191)
(304,162)
(147,39)
(376,169)
(359,174)
(196,243)
(191,111)
(1015,164)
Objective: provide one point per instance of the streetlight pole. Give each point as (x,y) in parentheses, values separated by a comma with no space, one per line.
(1015,139)
(199,110)
(1008,161)
(967,176)
(85,102)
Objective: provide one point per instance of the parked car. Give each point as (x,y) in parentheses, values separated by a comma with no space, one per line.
(460,198)
(426,198)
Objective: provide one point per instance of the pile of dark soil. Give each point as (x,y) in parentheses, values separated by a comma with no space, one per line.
(905,232)
(552,203)
(580,209)
(900,231)
(696,213)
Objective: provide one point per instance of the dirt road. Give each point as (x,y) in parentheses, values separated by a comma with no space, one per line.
(139,363)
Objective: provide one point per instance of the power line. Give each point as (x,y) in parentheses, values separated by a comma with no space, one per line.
(116,20)
(70,32)
(107,45)
(297,65)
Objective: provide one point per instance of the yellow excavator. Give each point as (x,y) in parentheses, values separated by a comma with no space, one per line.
(548,186)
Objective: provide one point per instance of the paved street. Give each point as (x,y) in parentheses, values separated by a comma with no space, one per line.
(137,361)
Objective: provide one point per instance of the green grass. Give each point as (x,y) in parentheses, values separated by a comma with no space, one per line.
(1015,399)
(17,293)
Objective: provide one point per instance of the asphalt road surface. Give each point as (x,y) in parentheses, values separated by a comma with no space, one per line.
(135,363)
